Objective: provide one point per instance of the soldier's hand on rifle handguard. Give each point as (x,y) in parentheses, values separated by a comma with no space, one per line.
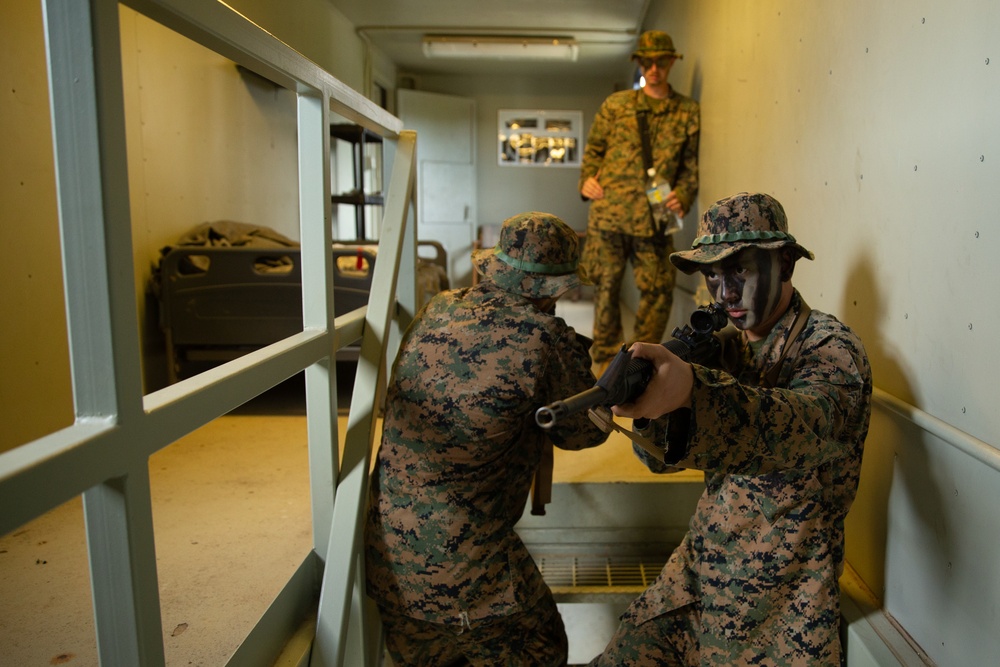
(631,371)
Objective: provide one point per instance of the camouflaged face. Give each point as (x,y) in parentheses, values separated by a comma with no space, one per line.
(653,43)
(734,223)
(536,256)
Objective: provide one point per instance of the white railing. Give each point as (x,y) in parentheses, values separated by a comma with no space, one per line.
(104,455)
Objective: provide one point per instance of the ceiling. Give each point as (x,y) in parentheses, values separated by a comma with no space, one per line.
(605,30)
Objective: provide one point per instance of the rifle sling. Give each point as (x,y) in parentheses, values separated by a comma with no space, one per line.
(541,486)
(642,119)
(770,379)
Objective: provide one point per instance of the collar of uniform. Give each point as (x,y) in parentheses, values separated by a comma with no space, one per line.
(776,339)
(647,103)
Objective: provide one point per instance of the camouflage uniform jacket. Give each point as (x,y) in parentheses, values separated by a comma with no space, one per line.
(614,147)
(765,546)
(458,452)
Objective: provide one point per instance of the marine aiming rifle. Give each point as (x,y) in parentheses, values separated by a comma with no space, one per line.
(626,378)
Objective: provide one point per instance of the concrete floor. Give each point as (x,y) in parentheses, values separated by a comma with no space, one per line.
(232,523)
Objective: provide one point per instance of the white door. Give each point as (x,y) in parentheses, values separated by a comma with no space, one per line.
(446,173)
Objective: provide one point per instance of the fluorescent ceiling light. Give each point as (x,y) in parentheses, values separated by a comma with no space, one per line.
(500,48)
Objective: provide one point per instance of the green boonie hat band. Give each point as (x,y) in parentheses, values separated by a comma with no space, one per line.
(735,237)
(745,220)
(535,267)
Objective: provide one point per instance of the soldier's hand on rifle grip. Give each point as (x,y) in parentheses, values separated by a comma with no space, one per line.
(669,389)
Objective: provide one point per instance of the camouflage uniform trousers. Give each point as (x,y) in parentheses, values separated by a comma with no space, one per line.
(604,257)
(665,641)
(535,637)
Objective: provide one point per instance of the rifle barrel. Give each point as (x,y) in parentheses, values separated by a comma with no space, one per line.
(626,378)
(547,415)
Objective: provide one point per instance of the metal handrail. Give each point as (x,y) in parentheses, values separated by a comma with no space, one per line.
(104,454)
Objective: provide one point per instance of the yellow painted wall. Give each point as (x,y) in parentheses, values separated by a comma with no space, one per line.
(35,395)
(206,142)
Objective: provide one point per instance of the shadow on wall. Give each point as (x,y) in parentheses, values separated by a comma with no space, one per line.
(696,82)
(895,451)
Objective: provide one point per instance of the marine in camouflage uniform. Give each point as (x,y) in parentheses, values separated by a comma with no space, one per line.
(453,581)
(620,226)
(780,438)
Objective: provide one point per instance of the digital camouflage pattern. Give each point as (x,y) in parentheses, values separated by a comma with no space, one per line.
(614,148)
(735,223)
(614,155)
(458,452)
(537,256)
(606,253)
(756,576)
(533,637)
(653,44)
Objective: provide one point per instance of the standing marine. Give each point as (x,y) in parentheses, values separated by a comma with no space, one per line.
(613,177)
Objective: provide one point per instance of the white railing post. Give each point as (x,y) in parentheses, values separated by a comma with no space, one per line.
(88,120)
(343,576)
(105,454)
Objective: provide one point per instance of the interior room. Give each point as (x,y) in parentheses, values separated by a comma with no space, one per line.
(184,496)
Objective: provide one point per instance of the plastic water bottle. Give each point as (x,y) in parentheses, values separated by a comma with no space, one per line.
(657,190)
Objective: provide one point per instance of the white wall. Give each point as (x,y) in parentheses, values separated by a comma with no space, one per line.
(505,191)
(874,123)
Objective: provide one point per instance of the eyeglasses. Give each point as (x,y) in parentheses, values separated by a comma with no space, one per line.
(661,63)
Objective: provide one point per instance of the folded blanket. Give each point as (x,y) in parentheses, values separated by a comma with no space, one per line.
(229,233)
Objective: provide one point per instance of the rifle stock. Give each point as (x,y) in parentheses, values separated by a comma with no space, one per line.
(626,378)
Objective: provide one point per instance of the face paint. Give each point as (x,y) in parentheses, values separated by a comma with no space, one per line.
(748,285)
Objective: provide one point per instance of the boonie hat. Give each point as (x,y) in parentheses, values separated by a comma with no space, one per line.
(653,43)
(536,256)
(735,223)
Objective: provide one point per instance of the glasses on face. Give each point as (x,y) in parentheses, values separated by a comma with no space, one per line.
(647,63)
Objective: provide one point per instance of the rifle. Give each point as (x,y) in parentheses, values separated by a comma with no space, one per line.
(626,378)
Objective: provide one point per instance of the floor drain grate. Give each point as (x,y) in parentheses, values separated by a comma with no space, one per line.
(569,574)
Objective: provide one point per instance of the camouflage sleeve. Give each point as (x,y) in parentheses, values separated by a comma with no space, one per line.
(597,144)
(672,433)
(686,181)
(568,374)
(752,430)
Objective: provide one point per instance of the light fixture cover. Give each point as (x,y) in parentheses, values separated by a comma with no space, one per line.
(500,47)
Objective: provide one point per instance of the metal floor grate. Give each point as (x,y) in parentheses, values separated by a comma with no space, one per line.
(570,574)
